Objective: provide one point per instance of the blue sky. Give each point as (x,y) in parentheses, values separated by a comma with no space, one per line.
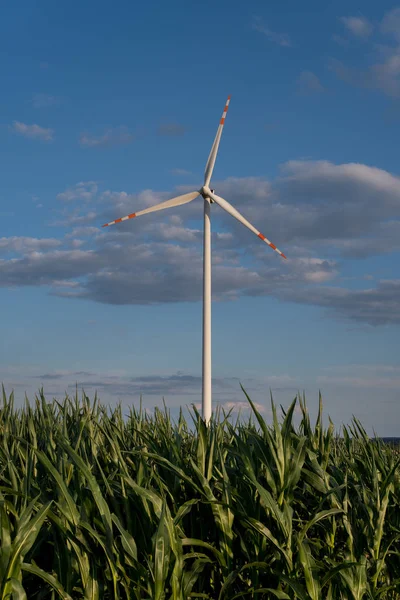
(109,108)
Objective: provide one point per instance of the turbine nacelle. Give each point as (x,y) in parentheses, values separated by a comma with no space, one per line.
(206,193)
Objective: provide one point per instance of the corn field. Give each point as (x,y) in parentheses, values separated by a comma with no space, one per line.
(95,504)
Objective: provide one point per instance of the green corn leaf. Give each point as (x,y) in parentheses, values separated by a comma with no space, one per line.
(49,579)
(261,528)
(127,540)
(5,537)
(312,584)
(323,514)
(147,496)
(72,513)
(190,577)
(28,531)
(107,554)
(17,590)
(161,557)
(297,587)
(193,542)
(94,487)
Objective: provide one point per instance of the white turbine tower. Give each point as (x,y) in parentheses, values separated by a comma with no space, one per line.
(209,198)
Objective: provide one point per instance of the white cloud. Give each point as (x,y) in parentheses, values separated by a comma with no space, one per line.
(176,220)
(385,241)
(83,231)
(77,219)
(379,179)
(38,268)
(76,243)
(238,406)
(65,284)
(282,39)
(122,201)
(33,131)
(24,245)
(383,75)
(356,368)
(84,190)
(362,382)
(374,306)
(224,236)
(383,72)
(165,231)
(358,26)
(258,188)
(160,272)
(112,137)
(317,270)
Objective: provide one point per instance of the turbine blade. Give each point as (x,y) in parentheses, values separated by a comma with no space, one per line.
(167,204)
(235,213)
(214,150)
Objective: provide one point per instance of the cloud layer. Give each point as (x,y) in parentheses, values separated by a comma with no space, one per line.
(383,72)
(318,213)
(359,386)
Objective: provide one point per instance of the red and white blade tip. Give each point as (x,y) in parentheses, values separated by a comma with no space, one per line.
(131,216)
(222,121)
(264,239)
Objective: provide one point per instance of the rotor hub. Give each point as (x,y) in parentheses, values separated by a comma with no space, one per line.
(205,193)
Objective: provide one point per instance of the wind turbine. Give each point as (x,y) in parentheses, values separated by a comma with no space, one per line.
(209,198)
